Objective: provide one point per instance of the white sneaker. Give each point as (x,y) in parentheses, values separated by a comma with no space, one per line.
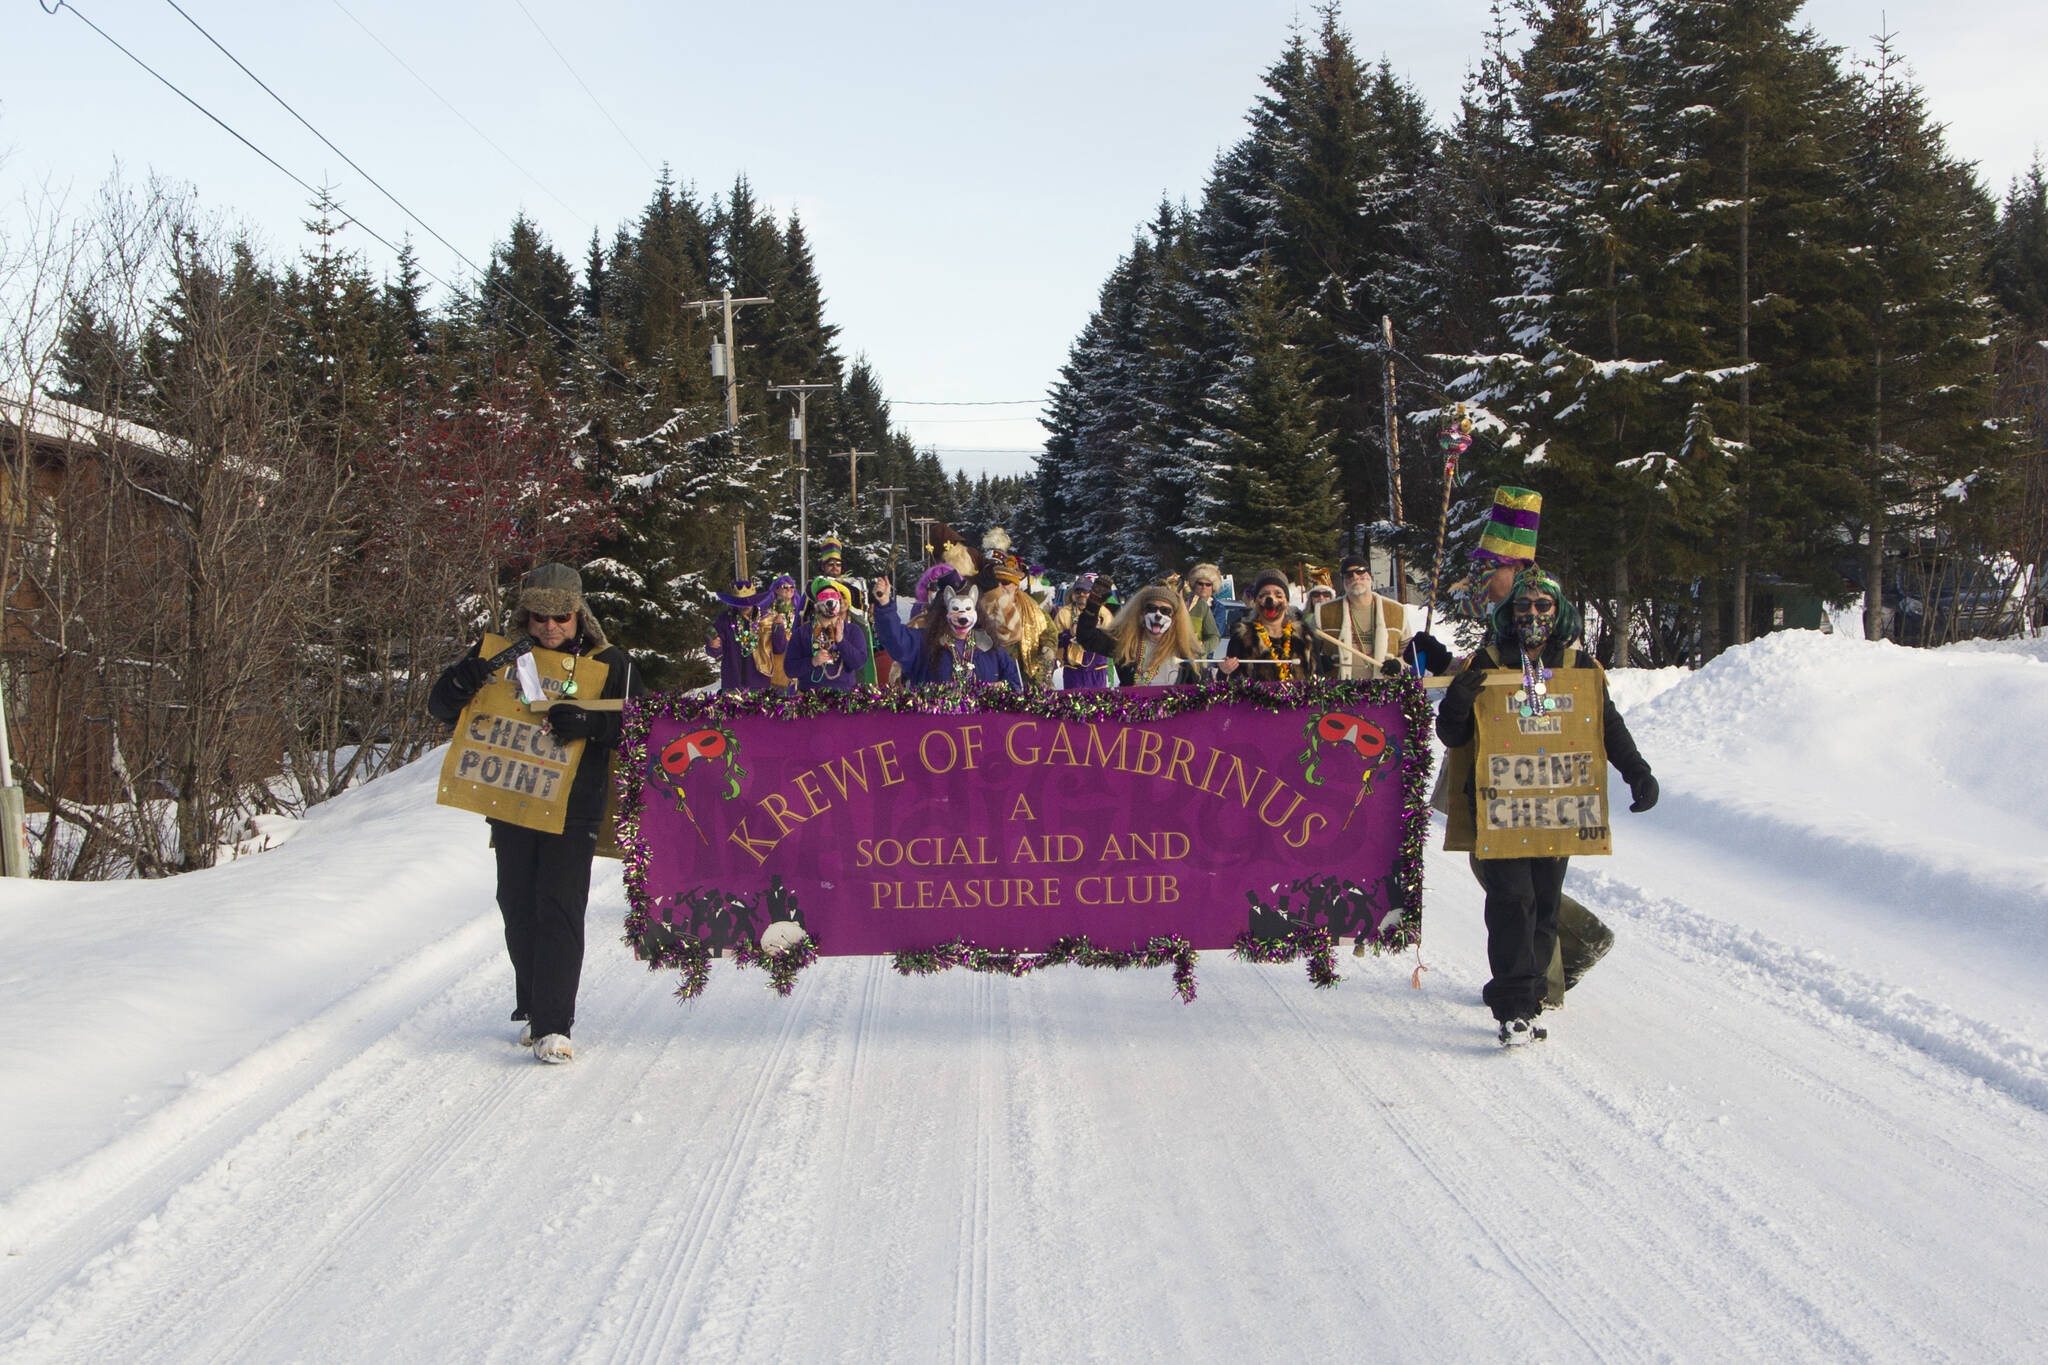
(526,1035)
(553,1048)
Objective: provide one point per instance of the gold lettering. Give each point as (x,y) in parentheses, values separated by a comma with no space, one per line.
(760,848)
(1024,806)
(1150,742)
(1093,753)
(885,756)
(1182,752)
(1010,748)
(1062,743)
(924,751)
(806,782)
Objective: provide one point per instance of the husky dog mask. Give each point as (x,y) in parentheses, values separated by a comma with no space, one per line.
(961,606)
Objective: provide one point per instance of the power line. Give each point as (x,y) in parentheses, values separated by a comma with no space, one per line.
(964,403)
(318,195)
(487,139)
(580,81)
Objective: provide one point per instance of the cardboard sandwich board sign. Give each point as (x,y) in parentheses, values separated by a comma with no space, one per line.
(503,763)
(1541,779)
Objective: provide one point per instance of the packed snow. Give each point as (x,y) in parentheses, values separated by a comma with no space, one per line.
(274,1112)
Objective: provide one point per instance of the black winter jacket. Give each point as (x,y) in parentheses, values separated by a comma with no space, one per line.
(1455,726)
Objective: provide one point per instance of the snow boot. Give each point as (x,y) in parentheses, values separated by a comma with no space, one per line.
(1514,1032)
(553,1048)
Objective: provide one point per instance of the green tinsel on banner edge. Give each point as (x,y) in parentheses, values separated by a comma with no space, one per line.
(1077,951)
(1097,704)
(661,947)
(1313,943)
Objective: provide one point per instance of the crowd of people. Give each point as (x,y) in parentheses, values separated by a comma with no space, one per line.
(984,614)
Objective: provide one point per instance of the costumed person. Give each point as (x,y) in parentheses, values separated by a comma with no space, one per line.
(1537,623)
(829,650)
(1080,667)
(944,641)
(1362,632)
(1151,640)
(832,564)
(1507,545)
(1010,614)
(771,641)
(1272,643)
(736,638)
(1204,581)
(1319,592)
(544,879)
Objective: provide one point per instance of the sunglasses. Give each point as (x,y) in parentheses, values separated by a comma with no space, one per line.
(1534,606)
(539,619)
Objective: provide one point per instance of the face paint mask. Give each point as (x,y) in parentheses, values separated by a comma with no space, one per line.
(1271,607)
(960,616)
(1156,622)
(828,607)
(1533,623)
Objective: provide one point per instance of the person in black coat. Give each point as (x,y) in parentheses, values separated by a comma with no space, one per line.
(1523,895)
(1272,643)
(1151,641)
(544,879)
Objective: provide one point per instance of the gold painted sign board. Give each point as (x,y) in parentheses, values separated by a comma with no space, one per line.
(503,762)
(1541,780)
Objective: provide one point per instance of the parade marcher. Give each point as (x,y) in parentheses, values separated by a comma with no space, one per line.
(1010,614)
(1523,895)
(944,641)
(1203,582)
(1272,643)
(771,641)
(829,649)
(736,638)
(1507,545)
(1151,640)
(544,879)
(1080,667)
(1363,631)
(832,564)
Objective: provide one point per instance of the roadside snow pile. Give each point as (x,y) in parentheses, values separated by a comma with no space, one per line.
(1912,774)
(127,997)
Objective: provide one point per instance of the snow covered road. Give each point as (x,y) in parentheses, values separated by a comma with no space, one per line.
(1737,1145)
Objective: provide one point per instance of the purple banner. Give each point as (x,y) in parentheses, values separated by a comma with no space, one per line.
(885,822)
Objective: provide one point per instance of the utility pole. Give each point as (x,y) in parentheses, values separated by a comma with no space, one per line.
(799,433)
(13,846)
(924,538)
(725,359)
(853,459)
(1394,457)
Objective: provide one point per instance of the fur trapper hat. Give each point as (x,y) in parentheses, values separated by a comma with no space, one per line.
(555,590)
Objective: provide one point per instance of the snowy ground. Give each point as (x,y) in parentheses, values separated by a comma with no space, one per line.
(272,1112)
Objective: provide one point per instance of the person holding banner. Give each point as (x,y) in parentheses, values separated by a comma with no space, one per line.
(1080,667)
(544,878)
(829,649)
(944,641)
(1535,634)
(1151,640)
(1273,642)
(738,636)
(1361,634)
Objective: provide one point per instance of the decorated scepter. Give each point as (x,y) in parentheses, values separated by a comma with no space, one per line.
(1454,440)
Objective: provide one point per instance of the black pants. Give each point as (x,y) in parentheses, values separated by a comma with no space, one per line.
(1522,897)
(1582,940)
(543,887)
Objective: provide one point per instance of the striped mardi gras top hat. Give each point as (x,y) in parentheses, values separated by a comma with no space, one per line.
(830,546)
(1510,533)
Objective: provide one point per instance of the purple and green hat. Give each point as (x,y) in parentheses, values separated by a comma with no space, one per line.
(1510,533)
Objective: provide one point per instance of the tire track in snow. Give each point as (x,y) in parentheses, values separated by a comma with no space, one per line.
(660,1318)
(970,1283)
(1584,1316)
(85,1212)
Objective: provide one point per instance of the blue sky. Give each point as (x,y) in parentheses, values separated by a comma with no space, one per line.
(968,174)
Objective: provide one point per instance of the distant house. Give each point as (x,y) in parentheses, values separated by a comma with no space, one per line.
(86,547)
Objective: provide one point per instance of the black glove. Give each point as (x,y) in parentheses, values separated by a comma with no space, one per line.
(1464,689)
(1644,790)
(469,676)
(1099,592)
(569,722)
(1391,667)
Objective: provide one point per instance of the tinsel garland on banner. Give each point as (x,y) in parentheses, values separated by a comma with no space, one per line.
(1099,704)
(1078,951)
(661,947)
(1313,943)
